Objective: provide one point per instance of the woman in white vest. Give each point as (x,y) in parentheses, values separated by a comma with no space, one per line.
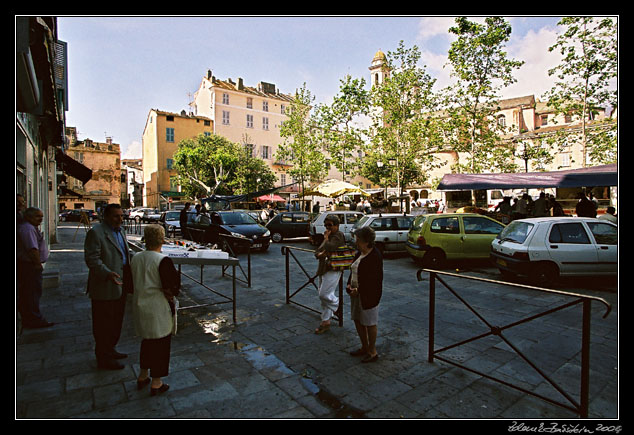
(156,282)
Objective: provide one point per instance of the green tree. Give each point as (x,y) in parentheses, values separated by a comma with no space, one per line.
(482,69)
(341,133)
(206,165)
(404,134)
(302,147)
(588,67)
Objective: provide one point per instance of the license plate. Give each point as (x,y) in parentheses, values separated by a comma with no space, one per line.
(257,245)
(501,262)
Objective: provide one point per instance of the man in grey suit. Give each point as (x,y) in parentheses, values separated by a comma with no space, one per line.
(107,256)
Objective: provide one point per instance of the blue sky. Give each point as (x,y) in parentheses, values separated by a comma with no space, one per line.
(121,67)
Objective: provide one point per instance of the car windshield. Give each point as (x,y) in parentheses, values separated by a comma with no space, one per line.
(172,215)
(361,222)
(237,219)
(516,232)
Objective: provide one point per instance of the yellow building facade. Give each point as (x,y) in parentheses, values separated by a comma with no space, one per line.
(161,135)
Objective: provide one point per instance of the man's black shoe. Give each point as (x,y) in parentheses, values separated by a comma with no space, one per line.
(119,355)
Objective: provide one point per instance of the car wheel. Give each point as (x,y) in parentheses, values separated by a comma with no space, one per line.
(545,274)
(434,259)
(276,237)
(507,274)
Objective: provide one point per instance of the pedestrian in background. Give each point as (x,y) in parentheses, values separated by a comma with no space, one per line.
(32,253)
(328,277)
(585,207)
(541,207)
(107,256)
(156,284)
(183,222)
(21,206)
(610,215)
(365,287)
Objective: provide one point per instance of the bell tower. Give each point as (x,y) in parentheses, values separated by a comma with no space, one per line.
(378,69)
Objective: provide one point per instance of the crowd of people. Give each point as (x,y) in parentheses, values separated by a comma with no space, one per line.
(547,205)
(154,282)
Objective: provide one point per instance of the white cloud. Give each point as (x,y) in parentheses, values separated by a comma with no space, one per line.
(132,151)
(429,27)
(532,77)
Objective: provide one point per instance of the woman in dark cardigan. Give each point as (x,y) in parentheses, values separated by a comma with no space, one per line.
(365,286)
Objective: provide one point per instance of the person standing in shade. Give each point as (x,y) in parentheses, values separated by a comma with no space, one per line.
(365,287)
(156,283)
(107,256)
(183,222)
(328,278)
(32,253)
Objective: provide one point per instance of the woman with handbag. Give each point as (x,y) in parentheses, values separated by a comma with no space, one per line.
(328,277)
(365,287)
(156,283)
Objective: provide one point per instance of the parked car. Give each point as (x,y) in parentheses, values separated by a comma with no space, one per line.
(170,220)
(391,229)
(435,238)
(137,213)
(75,215)
(151,215)
(289,225)
(548,248)
(347,221)
(206,228)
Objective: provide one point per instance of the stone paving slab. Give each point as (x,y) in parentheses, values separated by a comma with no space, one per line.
(270,365)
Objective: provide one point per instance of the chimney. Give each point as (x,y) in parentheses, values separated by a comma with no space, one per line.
(209,74)
(109,140)
(240,83)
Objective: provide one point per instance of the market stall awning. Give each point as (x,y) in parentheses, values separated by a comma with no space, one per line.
(604,175)
(224,200)
(72,167)
(334,188)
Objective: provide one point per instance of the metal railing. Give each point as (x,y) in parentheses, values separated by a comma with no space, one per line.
(242,243)
(287,252)
(580,407)
(132,226)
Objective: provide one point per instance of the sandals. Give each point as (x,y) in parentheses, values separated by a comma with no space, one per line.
(321,329)
(358,352)
(163,388)
(140,384)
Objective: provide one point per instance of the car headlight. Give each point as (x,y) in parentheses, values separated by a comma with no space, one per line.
(238,235)
(267,234)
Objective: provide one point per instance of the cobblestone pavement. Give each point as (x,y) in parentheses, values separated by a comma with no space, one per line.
(270,364)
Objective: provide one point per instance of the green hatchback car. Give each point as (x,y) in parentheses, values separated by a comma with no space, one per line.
(435,238)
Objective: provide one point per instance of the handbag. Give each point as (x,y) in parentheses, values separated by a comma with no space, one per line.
(342,258)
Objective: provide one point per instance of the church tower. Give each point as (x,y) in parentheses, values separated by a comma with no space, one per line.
(378,70)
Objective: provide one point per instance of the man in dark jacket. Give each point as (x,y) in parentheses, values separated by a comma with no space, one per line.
(183,222)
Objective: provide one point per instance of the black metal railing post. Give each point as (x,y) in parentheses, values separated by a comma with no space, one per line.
(432,315)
